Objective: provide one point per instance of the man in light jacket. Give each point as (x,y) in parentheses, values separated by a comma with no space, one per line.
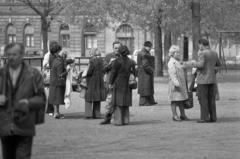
(206,79)
(21,95)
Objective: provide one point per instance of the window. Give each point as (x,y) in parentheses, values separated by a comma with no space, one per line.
(65,40)
(11,34)
(90,41)
(29,36)
(29,42)
(9,1)
(125,34)
(64,35)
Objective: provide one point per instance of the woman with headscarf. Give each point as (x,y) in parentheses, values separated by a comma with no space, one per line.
(119,83)
(178,89)
(95,92)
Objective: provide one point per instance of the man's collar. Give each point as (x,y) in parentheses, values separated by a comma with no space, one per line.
(18,68)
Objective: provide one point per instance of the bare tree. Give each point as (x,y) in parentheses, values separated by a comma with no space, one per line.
(47,10)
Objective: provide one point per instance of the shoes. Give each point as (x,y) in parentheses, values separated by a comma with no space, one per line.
(58,116)
(50,114)
(105,122)
(176,119)
(87,118)
(184,118)
(118,124)
(155,103)
(213,121)
(203,121)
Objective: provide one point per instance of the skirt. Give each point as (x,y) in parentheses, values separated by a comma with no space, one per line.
(56,95)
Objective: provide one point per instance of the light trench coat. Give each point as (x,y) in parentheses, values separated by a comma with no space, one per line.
(177,77)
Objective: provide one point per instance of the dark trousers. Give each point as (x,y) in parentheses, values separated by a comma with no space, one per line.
(146,100)
(206,97)
(121,115)
(17,147)
(92,109)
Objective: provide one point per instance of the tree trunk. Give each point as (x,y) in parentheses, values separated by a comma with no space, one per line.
(44,31)
(158,52)
(167,45)
(196,30)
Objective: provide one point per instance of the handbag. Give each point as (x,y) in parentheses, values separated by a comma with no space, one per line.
(133,84)
(188,104)
(61,81)
(192,87)
(46,76)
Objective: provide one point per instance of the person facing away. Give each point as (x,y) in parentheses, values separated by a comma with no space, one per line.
(95,92)
(206,80)
(178,89)
(146,75)
(119,83)
(108,63)
(21,95)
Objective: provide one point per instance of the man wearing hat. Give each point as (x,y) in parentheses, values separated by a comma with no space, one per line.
(146,75)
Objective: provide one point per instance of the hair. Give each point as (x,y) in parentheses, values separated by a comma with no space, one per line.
(51,43)
(123,50)
(204,42)
(147,44)
(95,52)
(173,49)
(116,42)
(11,45)
(55,49)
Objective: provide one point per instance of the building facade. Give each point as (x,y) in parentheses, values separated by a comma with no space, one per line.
(19,23)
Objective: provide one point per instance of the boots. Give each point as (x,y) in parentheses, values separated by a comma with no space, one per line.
(107,119)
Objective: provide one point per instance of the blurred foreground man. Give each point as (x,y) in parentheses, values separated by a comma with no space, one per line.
(206,80)
(21,97)
(146,75)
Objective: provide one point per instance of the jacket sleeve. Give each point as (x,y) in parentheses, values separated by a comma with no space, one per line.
(107,66)
(39,99)
(173,74)
(218,64)
(147,67)
(90,68)
(201,61)
(114,72)
(61,71)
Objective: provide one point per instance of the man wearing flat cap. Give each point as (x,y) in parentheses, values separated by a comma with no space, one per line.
(146,75)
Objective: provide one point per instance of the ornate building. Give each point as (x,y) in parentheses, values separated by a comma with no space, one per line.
(19,23)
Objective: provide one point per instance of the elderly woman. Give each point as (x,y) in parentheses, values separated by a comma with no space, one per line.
(119,83)
(95,92)
(58,70)
(178,91)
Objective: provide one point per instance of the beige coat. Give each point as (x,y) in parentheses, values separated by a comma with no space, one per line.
(177,77)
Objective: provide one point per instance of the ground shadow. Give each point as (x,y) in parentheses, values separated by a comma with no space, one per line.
(74,115)
(228,120)
(148,122)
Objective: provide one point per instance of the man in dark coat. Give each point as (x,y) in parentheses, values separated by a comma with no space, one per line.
(21,95)
(206,80)
(146,75)
(108,63)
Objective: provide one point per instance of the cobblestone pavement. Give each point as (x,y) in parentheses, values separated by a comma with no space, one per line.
(151,135)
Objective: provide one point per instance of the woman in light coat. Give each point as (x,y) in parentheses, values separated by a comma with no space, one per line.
(178,89)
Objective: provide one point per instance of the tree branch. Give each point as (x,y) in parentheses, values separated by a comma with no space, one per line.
(30,4)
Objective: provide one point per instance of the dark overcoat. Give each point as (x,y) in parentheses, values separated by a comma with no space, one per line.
(107,65)
(56,93)
(24,90)
(119,78)
(145,73)
(95,86)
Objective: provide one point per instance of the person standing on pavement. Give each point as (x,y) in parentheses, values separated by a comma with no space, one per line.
(95,92)
(21,95)
(109,59)
(178,89)
(119,83)
(58,71)
(206,80)
(146,75)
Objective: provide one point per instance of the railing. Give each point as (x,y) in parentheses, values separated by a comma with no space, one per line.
(79,61)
